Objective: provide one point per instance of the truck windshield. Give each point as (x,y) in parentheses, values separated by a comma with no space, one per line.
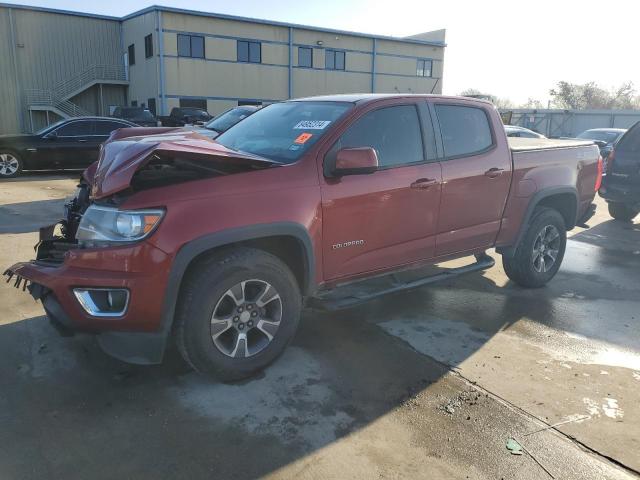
(283,131)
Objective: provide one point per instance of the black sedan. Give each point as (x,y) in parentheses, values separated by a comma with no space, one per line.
(72,143)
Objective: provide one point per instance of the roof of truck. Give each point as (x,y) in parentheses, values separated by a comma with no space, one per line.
(368,97)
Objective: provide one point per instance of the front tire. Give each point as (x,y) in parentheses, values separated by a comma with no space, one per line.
(538,256)
(622,211)
(238,311)
(10,164)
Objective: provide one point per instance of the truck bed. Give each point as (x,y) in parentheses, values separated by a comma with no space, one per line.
(529,144)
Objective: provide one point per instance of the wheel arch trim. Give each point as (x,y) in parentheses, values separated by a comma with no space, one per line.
(533,203)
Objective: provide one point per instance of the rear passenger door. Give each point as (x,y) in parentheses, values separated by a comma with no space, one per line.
(476,177)
(388,218)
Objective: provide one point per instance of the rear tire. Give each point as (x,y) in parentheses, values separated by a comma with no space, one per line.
(237,312)
(539,255)
(622,211)
(10,164)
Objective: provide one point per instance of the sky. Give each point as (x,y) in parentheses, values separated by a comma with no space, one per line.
(511,49)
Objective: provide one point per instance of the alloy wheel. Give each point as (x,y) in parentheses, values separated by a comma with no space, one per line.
(545,249)
(8,165)
(246,318)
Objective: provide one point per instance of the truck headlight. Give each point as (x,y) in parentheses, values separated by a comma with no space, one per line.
(102,226)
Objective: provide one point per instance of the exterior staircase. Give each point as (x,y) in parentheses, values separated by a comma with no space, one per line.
(57,99)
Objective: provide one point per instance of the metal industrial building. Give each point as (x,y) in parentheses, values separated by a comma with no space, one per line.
(57,63)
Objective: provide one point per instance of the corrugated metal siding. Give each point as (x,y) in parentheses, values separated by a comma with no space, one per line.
(8,94)
(47,57)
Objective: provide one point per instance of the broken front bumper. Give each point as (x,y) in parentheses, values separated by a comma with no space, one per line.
(141,269)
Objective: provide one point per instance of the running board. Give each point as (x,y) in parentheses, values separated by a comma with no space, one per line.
(331,300)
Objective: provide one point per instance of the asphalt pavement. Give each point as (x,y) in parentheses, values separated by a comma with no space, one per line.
(424,384)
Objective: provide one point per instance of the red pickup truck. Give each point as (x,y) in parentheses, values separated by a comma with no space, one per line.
(219,244)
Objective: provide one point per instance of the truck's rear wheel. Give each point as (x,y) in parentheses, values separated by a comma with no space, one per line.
(537,258)
(237,313)
(622,211)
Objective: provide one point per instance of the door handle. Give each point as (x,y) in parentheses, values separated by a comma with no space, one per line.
(424,183)
(82,140)
(494,172)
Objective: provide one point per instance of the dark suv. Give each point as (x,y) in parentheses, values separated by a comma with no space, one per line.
(138,115)
(621,184)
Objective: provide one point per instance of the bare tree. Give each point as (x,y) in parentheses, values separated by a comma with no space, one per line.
(590,95)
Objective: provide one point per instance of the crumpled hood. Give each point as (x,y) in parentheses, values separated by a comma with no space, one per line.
(127,151)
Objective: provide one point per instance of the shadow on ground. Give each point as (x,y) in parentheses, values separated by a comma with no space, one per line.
(30,216)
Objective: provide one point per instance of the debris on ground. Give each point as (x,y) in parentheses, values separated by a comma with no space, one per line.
(514,447)
(467,397)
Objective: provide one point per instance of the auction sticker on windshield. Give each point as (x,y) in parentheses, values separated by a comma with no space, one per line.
(312,125)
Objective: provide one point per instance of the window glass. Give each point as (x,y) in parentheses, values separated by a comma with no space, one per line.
(76,129)
(330,60)
(105,128)
(200,103)
(254,52)
(184,46)
(465,130)
(393,132)
(132,54)
(283,131)
(424,68)
(305,57)
(197,47)
(339,60)
(243,51)
(148,46)
(334,60)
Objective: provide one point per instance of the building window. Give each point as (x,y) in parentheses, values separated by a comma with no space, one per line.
(249,51)
(424,68)
(200,103)
(191,46)
(132,54)
(305,57)
(334,60)
(148,46)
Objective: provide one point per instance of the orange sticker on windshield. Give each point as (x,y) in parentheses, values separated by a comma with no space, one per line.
(302,138)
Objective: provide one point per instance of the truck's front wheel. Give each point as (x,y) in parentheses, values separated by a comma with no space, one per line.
(237,313)
(537,258)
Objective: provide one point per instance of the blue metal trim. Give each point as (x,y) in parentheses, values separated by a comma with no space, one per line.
(281,24)
(225,37)
(363,72)
(365,52)
(220,60)
(373,66)
(291,62)
(163,102)
(59,11)
(414,57)
(225,17)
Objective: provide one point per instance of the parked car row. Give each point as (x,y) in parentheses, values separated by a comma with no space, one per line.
(74,143)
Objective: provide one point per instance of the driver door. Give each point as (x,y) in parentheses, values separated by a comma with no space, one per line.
(388,218)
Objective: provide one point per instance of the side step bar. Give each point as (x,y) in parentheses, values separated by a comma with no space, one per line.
(332,301)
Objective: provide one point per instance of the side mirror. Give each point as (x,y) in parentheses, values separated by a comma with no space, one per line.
(52,135)
(355,161)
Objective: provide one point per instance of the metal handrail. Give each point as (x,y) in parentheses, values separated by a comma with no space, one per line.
(56,97)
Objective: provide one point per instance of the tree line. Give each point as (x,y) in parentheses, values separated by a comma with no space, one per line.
(574,96)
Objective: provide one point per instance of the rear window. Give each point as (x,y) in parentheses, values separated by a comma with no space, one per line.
(630,142)
(283,131)
(465,130)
